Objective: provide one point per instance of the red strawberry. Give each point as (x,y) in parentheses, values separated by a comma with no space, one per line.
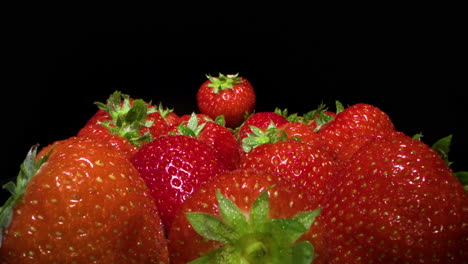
(357,121)
(215,135)
(301,131)
(229,95)
(261,224)
(121,122)
(261,120)
(83,203)
(163,120)
(396,201)
(173,167)
(309,166)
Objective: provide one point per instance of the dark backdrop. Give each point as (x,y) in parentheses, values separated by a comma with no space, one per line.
(58,65)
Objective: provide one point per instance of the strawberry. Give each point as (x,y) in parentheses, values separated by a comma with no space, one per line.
(396,201)
(162,121)
(215,134)
(307,165)
(261,223)
(121,122)
(80,202)
(362,121)
(173,167)
(229,95)
(301,131)
(261,120)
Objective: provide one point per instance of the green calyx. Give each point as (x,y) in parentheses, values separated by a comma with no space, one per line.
(28,169)
(259,137)
(256,238)
(223,82)
(127,117)
(191,128)
(442,147)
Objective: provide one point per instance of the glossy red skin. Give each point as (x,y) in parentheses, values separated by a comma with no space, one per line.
(224,142)
(86,203)
(302,131)
(232,103)
(242,187)
(359,120)
(173,167)
(161,125)
(93,129)
(220,138)
(261,120)
(396,201)
(306,165)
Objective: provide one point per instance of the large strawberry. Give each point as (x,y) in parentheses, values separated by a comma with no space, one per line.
(173,167)
(266,219)
(229,95)
(80,202)
(307,165)
(354,127)
(396,201)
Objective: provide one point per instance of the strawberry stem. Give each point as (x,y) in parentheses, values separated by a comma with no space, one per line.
(28,169)
(254,239)
(127,117)
(223,82)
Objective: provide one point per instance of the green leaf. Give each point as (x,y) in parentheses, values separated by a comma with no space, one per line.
(442,146)
(462,176)
(231,214)
(339,107)
(211,227)
(286,230)
(223,82)
(307,218)
(127,117)
(28,169)
(302,253)
(226,255)
(260,210)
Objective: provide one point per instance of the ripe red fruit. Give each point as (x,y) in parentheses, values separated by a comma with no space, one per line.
(396,201)
(122,123)
(229,95)
(257,238)
(362,121)
(261,120)
(304,164)
(214,134)
(86,204)
(173,167)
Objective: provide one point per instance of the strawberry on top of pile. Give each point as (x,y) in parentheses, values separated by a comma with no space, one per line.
(141,184)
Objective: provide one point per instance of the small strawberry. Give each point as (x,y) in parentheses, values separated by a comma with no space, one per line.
(80,202)
(173,167)
(261,120)
(121,122)
(162,121)
(362,121)
(396,201)
(214,134)
(229,95)
(261,223)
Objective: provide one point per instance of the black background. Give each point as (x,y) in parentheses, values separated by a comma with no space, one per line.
(59,64)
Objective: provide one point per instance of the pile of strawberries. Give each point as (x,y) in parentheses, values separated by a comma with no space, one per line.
(141,184)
